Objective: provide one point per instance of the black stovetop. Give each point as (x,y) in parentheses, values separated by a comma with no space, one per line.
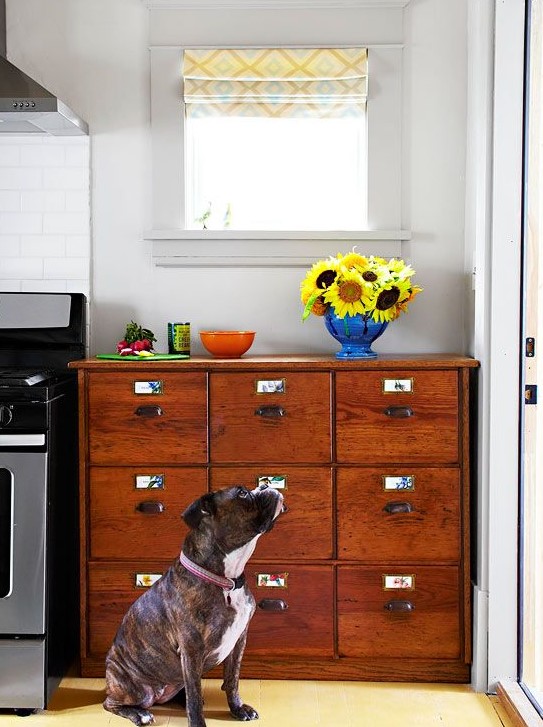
(15,376)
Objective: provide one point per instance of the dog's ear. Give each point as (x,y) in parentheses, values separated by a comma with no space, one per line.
(201,508)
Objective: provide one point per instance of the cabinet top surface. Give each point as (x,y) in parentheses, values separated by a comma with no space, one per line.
(288,361)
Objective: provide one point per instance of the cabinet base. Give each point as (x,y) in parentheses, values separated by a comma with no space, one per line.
(378,670)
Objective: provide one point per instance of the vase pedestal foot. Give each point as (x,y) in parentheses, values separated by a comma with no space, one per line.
(351,352)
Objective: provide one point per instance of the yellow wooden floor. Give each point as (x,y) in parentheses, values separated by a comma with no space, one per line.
(78,703)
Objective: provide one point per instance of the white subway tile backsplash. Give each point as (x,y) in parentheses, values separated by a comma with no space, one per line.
(10,286)
(10,156)
(77,156)
(65,178)
(43,245)
(68,268)
(20,222)
(10,246)
(42,201)
(10,201)
(78,246)
(43,286)
(20,268)
(45,240)
(17,178)
(68,223)
(42,156)
(77,201)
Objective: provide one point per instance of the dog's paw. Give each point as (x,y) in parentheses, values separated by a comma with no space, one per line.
(145,717)
(244,713)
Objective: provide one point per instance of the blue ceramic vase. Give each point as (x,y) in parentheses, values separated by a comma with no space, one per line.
(355,333)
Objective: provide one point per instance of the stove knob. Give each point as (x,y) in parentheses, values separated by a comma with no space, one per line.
(6,415)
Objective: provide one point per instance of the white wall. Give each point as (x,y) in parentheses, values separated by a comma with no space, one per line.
(94,55)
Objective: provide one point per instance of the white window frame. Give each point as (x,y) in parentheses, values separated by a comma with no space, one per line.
(174,245)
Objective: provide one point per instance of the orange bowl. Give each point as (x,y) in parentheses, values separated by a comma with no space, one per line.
(227,344)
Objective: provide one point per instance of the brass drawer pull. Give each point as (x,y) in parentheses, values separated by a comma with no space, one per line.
(272,604)
(396,508)
(399,412)
(399,606)
(149,411)
(150,507)
(270,411)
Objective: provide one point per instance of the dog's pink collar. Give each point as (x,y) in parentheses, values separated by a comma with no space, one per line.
(228,584)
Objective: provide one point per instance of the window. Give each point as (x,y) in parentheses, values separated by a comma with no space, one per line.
(275,138)
(360,200)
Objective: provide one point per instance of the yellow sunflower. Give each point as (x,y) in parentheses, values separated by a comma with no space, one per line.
(322,274)
(386,302)
(375,273)
(352,259)
(349,294)
(403,303)
(399,269)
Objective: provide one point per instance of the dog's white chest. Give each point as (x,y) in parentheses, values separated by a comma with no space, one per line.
(241,602)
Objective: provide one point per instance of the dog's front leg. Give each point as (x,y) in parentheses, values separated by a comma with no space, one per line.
(192,678)
(232,666)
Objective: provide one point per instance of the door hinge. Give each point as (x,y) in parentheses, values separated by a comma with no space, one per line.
(530,347)
(530,394)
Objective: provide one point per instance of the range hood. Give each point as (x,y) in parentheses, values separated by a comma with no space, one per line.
(26,107)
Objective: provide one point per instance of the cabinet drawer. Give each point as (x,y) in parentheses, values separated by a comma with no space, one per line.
(305,530)
(270,417)
(422,621)
(397,416)
(129,519)
(305,626)
(111,590)
(378,523)
(168,426)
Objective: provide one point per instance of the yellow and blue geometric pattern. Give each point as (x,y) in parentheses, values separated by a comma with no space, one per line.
(276,82)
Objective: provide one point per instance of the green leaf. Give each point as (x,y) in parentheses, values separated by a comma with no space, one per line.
(309,305)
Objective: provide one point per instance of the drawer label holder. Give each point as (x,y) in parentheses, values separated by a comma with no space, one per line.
(271,386)
(149,482)
(398,386)
(146,388)
(399,482)
(398,582)
(278,482)
(271,580)
(146,580)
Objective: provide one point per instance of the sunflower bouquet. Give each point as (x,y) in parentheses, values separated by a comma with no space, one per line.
(350,284)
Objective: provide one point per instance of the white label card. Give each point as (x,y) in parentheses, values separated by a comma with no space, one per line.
(150,482)
(271,386)
(398,482)
(398,582)
(146,580)
(398,386)
(278,482)
(148,387)
(271,580)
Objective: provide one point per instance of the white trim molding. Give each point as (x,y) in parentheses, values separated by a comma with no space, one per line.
(232,235)
(270,4)
(180,248)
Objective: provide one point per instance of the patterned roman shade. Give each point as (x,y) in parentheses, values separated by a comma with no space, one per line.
(321,82)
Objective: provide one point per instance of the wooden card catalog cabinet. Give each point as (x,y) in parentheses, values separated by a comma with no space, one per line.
(366,576)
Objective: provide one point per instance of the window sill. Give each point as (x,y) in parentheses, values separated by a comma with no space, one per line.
(246,248)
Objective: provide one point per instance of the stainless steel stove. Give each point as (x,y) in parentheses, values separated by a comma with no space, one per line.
(39,334)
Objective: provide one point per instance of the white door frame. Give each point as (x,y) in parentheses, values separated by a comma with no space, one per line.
(493,222)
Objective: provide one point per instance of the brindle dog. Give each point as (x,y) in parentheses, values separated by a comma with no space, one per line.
(189,621)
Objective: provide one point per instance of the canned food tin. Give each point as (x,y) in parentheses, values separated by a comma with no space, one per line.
(179,338)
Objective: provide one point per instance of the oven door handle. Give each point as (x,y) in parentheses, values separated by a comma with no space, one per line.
(22,440)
